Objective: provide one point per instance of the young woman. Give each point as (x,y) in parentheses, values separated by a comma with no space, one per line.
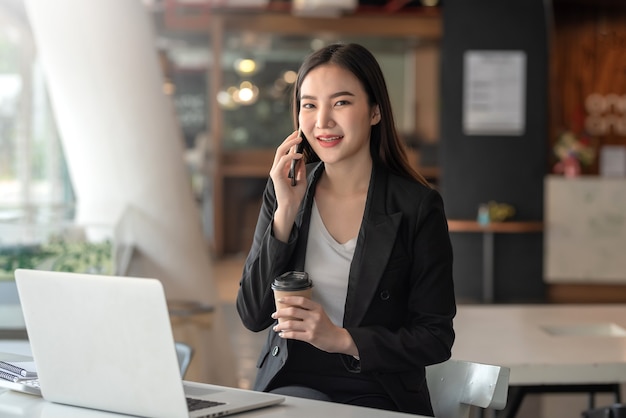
(371,234)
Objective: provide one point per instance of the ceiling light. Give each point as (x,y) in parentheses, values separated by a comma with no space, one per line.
(290,77)
(245,66)
(323,8)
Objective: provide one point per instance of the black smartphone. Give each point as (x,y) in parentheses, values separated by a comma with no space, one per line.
(294,162)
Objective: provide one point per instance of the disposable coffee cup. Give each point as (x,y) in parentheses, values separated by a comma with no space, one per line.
(292,283)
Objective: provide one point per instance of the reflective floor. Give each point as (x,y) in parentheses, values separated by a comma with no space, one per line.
(245,343)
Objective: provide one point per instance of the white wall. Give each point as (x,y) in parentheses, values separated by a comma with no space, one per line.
(125,152)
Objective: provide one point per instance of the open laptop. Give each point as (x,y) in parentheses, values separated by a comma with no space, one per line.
(105,342)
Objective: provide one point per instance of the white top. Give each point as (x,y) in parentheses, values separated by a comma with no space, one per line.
(328,265)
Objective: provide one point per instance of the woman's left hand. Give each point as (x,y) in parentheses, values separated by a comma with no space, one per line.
(311,324)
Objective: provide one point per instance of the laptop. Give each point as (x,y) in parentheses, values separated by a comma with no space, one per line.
(30,386)
(106,343)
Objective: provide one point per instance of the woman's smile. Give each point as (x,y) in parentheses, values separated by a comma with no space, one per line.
(328,141)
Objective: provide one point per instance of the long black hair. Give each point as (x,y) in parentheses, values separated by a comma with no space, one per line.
(386,147)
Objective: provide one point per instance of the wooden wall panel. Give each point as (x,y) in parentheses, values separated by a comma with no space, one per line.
(588,56)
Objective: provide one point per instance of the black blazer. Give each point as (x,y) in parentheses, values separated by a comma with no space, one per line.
(400,302)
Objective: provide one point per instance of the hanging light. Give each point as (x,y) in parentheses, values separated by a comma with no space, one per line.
(290,76)
(247,93)
(246,66)
(226,98)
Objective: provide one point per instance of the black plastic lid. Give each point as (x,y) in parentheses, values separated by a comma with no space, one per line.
(292,280)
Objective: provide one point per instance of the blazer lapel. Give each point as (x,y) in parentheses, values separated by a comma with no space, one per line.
(375,242)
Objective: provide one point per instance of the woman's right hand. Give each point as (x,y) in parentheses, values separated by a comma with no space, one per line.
(288,197)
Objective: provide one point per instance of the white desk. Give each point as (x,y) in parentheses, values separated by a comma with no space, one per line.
(16,405)
(547,347)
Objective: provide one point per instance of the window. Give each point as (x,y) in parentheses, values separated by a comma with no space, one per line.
(34,185)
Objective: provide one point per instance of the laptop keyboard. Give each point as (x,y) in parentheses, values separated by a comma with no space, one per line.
(31,382)
(196,404)
(192,403)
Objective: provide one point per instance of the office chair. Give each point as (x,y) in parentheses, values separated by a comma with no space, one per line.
(184,352)
(455,386)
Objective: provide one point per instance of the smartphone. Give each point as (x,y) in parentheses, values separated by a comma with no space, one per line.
(294,162)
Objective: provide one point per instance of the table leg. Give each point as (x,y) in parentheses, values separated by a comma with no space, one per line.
(488,256)
(517,394)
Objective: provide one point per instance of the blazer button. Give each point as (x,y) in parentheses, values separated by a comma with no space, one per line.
(275,351)
(384,295)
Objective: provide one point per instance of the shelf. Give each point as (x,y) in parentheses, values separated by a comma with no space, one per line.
(511,227)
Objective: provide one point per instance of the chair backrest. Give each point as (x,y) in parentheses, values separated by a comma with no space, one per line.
(184,352)
(455,386)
